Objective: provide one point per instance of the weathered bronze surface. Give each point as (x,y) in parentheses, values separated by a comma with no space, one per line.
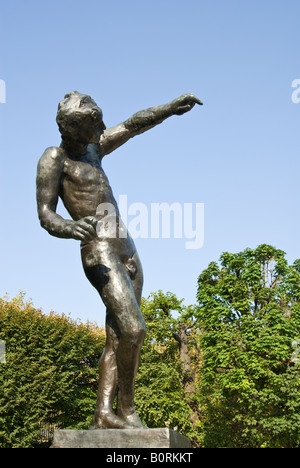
(74,173)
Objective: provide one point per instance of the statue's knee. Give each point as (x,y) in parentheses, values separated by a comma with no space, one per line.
(136,334)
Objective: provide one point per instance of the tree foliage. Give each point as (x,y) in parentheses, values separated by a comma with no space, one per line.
(249,311)
(50,372)
(166,384)
(224,373)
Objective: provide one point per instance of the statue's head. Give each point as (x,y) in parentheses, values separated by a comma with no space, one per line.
(79,118)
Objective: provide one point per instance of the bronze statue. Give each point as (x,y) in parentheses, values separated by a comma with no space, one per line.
(74,173)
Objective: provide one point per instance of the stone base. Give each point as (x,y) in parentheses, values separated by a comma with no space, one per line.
(120,438)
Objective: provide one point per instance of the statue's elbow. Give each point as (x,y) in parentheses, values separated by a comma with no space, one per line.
(43,218)
(44,224)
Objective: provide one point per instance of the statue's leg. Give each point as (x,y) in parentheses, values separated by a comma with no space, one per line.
(108,382)
(125,399)
(118,286)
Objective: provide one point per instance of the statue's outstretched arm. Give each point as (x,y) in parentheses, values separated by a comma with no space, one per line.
(144,120)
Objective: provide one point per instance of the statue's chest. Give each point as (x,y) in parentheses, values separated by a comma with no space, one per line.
(80,173)
(83,175)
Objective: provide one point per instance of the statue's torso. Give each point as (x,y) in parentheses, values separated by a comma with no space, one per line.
(84,185)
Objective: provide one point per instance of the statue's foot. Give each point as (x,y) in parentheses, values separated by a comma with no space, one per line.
(131,417)
(108,420)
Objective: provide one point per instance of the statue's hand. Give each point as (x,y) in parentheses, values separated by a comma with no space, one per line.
(185,103)
(85,229)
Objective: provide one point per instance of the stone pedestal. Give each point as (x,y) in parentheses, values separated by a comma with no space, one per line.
(120,438)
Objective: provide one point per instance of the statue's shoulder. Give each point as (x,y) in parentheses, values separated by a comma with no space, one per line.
(52,156)
(51,162)
(53,153)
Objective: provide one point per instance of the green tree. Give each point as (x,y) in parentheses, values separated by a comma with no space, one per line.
(249,311)
(50,372)
(166,388)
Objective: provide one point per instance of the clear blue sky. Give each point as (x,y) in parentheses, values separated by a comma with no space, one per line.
(238,154)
